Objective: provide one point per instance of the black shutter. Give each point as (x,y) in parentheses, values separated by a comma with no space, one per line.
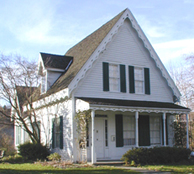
(119,130)
(53,133)
(166,130)
(61,132)
(131,80)
(105,76)
(144,130)
(122,78)
(147,80)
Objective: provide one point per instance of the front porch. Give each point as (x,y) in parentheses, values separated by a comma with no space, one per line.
(117,127)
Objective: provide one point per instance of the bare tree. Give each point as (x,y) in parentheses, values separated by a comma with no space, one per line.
(18,87)
(183,76)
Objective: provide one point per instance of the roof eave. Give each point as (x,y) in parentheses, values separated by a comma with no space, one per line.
(139,109)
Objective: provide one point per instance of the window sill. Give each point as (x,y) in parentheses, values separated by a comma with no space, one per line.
(127,146)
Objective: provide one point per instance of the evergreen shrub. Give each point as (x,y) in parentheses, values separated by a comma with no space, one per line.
(157,155)
(33,151)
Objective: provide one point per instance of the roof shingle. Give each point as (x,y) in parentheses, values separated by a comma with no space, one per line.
(55,61)
(132,103)
(81,52)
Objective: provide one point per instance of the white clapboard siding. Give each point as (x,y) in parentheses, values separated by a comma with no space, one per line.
(49,112)
(52,76)
(125,48)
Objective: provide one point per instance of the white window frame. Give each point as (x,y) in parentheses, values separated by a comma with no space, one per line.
(130,129)
(139,80)
(155,129)
(57,132)
(18,134)
(43,83)
(114,78)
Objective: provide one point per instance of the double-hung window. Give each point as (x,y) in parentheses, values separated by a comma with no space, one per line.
(139,80)
(125,130)
(18,134)
(114,77)
(155,130)
(57,132)
(128,130)
(43,84)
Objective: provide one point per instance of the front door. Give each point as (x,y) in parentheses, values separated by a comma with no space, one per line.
(144,130)
(99,138)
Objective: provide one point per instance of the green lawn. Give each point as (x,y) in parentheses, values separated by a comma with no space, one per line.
(28,168)
(172,168)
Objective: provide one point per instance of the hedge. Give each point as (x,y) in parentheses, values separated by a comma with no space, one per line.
(157,155)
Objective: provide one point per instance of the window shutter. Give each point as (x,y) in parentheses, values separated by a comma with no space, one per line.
(105,76)
(119,130)
(147,80)
(122,78)
(53,133)
(61,132)
(131,80)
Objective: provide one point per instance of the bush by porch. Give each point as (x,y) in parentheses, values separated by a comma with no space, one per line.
(156,155)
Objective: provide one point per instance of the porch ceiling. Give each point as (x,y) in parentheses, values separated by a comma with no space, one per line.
(132,105)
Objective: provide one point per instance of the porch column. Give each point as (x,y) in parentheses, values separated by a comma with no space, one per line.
(136,129)
(187,117)
(93,154)
(164,128)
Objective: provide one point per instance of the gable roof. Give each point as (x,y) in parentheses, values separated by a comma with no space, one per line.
(56,61)
(87,51)
(82,51)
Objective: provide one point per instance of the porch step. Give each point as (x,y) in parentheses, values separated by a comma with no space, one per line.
(110,162)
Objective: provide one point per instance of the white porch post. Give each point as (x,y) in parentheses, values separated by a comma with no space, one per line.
(93,154)
(74,142)
(187,117)
(164,128)
(136,129)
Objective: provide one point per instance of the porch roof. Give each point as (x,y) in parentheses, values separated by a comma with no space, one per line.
(133,105)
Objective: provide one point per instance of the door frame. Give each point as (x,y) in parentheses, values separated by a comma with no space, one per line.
(103,136)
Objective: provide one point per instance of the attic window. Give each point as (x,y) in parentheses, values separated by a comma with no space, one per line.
(114,78)
(43,84)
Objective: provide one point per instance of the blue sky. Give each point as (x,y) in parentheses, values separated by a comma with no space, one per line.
(28,27)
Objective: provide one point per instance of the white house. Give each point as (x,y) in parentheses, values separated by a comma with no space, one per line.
(115,73)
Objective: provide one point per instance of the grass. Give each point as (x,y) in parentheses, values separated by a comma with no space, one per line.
(172,168)
(28,168)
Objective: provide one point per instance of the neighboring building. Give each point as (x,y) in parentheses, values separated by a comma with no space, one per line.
(115,73)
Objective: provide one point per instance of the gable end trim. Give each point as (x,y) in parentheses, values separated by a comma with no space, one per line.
(102,47)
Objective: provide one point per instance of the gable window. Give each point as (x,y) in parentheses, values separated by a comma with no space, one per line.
(139,80)
(57,133)
(114,77)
